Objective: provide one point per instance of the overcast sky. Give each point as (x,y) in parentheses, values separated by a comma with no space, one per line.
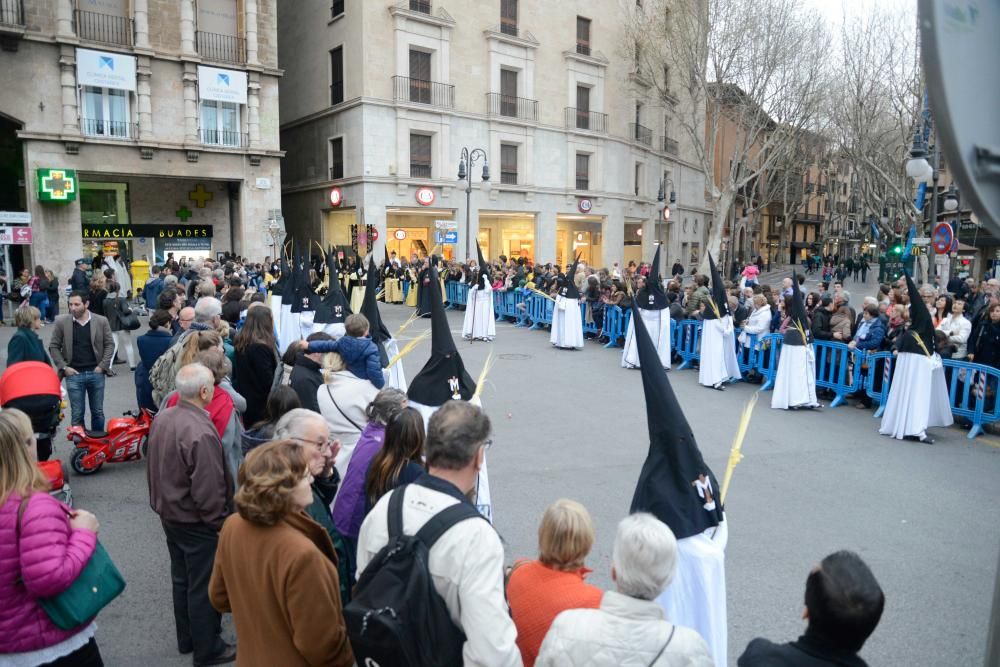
(834,10)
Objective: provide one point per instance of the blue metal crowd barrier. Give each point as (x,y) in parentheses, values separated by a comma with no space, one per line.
(406,289)
(590,328)
(767,358)
(972,393)
(746,356)
(457,294)
(838,369)
(539,310)
(613,329)
(688,341)
(878,378)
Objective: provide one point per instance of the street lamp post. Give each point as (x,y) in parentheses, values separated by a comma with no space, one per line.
(465,163)
(920,170)
(276,228)
(660,197)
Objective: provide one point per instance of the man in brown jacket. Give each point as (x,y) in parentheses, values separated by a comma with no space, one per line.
(82,348)
(191,488)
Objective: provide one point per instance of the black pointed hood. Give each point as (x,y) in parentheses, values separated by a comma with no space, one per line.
(675,485)
(303,297)
(921,328)
(334,307)
(798,331)
(484,268)
(443,377)
(369,308)
(719,298)
(569,290)
(279,286)
(652,296)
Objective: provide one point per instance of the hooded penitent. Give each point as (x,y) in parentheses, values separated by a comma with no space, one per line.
(303,297)
(369,308)
(798,331)
(279,285)
(652,296)
(484,268)
(675,485)
(569,290)
(443,377)
(334,307)
(718,307)
(919,338)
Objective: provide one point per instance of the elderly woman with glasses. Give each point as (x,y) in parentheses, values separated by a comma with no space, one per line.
(285,600)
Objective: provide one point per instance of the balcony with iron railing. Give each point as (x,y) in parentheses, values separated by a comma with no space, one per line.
(11,14)
(811,218)
(422,6)
(510,106)
(336,92)
(337,171)
(582,119)
(418,91)
(108,129)
(508,176)
(582,182)
(104,28)
(226,138)
(671,146)
(583,48)
(224,48)
(418,170)
(640,134)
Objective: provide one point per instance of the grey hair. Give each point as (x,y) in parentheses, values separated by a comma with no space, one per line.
(170,280)
(454,434)
(207,309)
(845,296)
(644,556)
(388,403)
(870,299)
(191,379)
(206,288)
(293,423)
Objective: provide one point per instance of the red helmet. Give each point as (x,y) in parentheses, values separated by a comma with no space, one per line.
(28,378)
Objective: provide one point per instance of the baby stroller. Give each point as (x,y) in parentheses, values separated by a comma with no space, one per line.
(33,388)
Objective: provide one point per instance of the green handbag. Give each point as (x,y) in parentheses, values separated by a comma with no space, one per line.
(97,585)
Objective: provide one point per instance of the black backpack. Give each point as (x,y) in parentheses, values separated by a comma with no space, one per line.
(397,618)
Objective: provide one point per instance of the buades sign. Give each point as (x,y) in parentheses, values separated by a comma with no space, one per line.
(147,231)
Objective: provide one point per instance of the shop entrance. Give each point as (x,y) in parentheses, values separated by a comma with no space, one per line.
(105,204)
(417,232)
(512,236)
(581,235)
(12,194)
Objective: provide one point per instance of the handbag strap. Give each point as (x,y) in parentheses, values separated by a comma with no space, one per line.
(669,639)
(342,413)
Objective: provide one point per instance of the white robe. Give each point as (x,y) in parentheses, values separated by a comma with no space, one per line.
(334,329)
(795,381)
(658,325)
(480,320)
(696,598)
(567,324)
(306,326)
(717,360)
(289,331)
(394,375)
(483,499)
(918,397)
(122,276)
(274,303)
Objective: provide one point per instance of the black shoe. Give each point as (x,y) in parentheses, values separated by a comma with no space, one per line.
(226,656)
(927,440)
(185,649)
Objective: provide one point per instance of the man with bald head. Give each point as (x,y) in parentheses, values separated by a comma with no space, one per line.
(191,489)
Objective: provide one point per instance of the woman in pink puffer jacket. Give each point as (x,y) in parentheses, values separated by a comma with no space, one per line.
(43,561)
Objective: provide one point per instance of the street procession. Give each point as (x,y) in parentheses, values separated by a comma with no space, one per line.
(694,364)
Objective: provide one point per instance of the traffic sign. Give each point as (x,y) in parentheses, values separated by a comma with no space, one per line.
(943,238)
(921,240)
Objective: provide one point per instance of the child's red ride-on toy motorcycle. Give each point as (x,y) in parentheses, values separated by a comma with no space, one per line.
(124,439)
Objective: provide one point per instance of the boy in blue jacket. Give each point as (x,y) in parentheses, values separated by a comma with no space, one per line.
(356,348)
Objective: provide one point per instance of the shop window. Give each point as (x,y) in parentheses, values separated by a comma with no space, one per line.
(336,158)
(106,113)
(420,156)
(508,164)
(582,171)
(220,123)
(337,75)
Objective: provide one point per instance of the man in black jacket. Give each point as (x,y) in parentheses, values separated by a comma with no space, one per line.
(307,376)
(79,282)
(821,319)
(843,604)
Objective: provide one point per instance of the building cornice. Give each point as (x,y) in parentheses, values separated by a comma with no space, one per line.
(526,42)
(82,139)
(598,59)
(443,20)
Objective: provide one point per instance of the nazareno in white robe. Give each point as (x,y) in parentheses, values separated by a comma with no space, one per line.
(658,325)
(394,375)
(288,330)
(795,381)
(274,303)
(918,397)
(480,320)
(483,500)
(567,324)
(717,359)
(334,329)
(696,598)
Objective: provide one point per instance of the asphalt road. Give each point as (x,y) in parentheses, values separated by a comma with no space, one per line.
(572,424)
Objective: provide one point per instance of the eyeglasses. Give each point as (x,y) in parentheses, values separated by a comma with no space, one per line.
(324,445)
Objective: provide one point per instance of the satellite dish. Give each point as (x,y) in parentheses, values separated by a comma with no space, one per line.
(960,53)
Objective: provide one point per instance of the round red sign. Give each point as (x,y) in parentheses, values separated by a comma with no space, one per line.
(336,197)
(374,235)
(585,206)
(400,234)
(942,238)
(425,196)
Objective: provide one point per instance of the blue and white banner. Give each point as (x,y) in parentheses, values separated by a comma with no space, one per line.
(105,70)
(222,85)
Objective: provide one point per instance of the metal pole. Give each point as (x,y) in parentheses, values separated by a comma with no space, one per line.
(934,212)
(468,216)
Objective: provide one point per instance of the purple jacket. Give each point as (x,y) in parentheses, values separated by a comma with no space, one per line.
(48,559)
(349,508)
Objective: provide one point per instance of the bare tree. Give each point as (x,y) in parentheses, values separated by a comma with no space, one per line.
(751,73)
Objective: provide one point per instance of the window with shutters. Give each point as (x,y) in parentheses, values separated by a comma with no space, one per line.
(420,155)
(583,107)
(508,17)
(508,164)
(582,171)
(508,92)
(638,178)
(422,6)
(337,75)
(337,8)
(420,76)
(336,158)
(583,36)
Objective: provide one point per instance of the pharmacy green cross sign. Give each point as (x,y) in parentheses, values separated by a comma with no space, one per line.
(56,185)
(183,213)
